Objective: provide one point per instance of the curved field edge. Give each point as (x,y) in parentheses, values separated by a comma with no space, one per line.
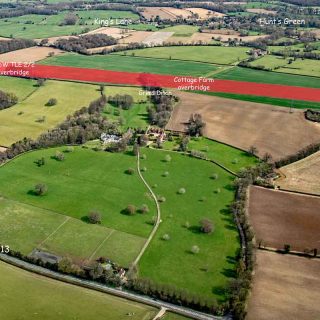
(64,300)
(170,261)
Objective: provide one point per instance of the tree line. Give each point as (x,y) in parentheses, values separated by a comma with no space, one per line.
(82,43)
(15,44)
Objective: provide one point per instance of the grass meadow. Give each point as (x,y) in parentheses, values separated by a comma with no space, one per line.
(20,87)
(230,157)
(171,261)
(25,295)
(121,62)
(26,227)
(42,26)
(209,54)
(25,118)
(99,179)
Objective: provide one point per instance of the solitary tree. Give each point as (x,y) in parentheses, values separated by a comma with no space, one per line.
(41,189)
(94,217)
(206,226)
(195,249)
(144,209)
(131,209)
(253,150)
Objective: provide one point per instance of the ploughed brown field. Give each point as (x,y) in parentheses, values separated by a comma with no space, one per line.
(280,218)
(243,124)
(32,54)
(285,287)
(303,175)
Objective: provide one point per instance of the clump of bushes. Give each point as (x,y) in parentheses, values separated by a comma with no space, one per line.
(166,237)
(94,217)
(195,249)
(182,191)
(167,158)
(51,102)
(130,171)
(144,208)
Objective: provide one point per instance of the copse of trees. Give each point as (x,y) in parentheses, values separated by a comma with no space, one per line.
(82,43)
(7,100)
(195,125)
(15,44)
(124,101)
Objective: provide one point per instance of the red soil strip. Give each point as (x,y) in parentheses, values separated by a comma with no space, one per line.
(166,81)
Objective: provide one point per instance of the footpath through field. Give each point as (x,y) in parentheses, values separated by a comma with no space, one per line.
(165,81)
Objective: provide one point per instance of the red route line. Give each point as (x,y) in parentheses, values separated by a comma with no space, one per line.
(165,81)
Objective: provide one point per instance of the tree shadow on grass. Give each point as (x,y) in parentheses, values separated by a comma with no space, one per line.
(229,273)
(195,229)
(85,219)
(32,193)
(229,187)
(219,290)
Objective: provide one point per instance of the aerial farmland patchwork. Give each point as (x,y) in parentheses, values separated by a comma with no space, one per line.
(159,160)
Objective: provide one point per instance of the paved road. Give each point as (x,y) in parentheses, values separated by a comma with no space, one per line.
(103,288)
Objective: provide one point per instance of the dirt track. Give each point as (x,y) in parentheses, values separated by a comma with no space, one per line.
(303,175)
(280,218)
(242,124)
(285,287)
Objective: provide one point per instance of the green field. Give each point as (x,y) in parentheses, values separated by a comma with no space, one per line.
(231,158)
(120,62)
(300,67)
(170,262)
(20,87)
(26,227)
(209,54)
(297,104)
(182,30)
(27,296)
(173,316)
(135,117)
(22,119)
(41,26)
(97,178)
(251,75)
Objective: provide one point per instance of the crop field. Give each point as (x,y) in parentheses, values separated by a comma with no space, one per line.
(280,218)
(32,54)
(26,227)
(251,75)
(297,104)
(31,117)
(210,54)
(284,287)
(207,272)
(244,124)
(42,26)
(303,175)
(25,295)
(231,158)
(121,62)
(80,176)
(20,87)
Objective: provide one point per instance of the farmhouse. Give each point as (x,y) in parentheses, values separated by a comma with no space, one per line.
(109,138)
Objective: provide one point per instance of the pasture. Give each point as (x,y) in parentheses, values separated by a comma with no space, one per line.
(306,67)
(127,62)
(284,287)
(290,218)
(31,117)
(26,227)
(171,261)
(20,87)
(251,75)
(182,30)
(42,26)
(84,175)
(29,296)
(303,175)
(227,156)
(209,54)
(244,124)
